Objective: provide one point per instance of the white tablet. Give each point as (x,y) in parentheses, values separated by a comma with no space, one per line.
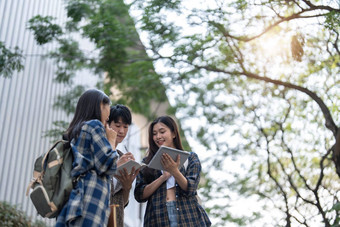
(155,162)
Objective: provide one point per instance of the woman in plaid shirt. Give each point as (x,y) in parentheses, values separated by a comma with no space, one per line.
(171,195)
(95,160)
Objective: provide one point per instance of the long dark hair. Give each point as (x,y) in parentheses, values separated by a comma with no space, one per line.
(88,108)
(171,124)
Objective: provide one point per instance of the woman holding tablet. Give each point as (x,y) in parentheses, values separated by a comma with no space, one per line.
(171,194)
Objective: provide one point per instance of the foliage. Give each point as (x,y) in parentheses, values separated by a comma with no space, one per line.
(261,79)
(117,53)
(68,101)
(58,130)
(114,53)
(44,30)
(10,60)
(11,216)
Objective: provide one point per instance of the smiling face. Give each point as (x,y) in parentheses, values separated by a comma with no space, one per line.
(121,128)
(162,135)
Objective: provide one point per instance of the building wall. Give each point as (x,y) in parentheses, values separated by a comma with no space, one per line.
(26,101)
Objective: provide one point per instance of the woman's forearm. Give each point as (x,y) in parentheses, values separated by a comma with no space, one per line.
(181,180)
(152,187)
(126,193)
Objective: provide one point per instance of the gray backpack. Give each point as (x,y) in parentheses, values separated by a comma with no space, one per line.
(52,182)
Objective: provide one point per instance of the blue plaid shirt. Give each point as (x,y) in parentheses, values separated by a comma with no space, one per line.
(94,161)
(189,211)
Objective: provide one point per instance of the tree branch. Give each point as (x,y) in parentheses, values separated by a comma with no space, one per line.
(328,117)
(329,120)
(283,19)
(313,7)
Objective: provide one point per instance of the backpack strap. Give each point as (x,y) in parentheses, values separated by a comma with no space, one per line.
(48,152)
(37,176)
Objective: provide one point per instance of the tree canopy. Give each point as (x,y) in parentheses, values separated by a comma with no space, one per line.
(114,53)
(117,54)
(262,79)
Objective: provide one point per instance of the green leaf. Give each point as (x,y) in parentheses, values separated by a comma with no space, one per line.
(44,30)
(10,60)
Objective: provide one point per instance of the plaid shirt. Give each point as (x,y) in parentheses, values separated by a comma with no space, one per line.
(94,161)
(189,211)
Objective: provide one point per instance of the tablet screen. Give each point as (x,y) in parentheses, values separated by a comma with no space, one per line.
(155,162)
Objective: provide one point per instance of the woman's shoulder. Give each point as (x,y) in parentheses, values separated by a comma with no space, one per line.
(92,124)
(193,157)
(192,154)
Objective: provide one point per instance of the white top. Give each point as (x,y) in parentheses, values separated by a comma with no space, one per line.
(170,182)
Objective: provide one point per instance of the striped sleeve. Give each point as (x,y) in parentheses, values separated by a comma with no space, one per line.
(139,188)
(192,174)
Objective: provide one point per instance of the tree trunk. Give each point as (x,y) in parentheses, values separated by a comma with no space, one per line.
(336,153)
